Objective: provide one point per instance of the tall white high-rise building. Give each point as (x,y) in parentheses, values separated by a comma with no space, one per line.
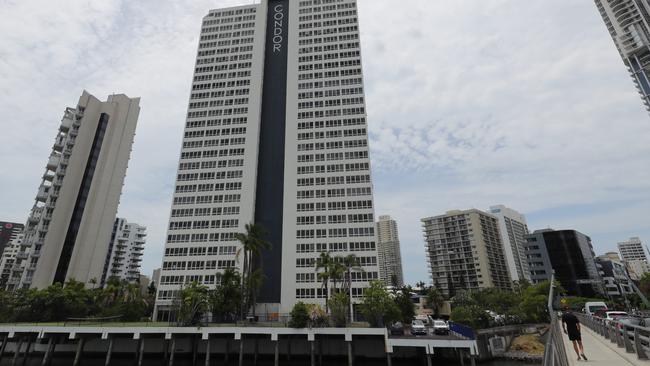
(513,229)
(635,257)
(124,253)
(628,22)
(632,249)
(275,135)
(390,257)
(69,228)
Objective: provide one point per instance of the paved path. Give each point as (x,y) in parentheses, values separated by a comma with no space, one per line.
(600,351)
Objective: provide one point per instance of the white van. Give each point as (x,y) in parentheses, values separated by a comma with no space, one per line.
(593,306)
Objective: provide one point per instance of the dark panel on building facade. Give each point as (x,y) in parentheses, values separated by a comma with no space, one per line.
(269,198)
(80,203)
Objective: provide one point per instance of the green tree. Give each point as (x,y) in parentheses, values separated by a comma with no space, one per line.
(324,262)
(299,315)
(435,300)
(191,304)
(377,306)
(339,309)
(225,299)
(253,244)
(405,305)
(350,263)
(473,316)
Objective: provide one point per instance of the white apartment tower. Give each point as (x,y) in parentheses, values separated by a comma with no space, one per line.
(124,252)
(464,251)
(513,229)
(390,257)
(632,250)
(69,228)
(9,258)
(634,256)
(628,22)
(275,135)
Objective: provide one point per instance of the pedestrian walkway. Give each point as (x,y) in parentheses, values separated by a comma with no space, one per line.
(600,351)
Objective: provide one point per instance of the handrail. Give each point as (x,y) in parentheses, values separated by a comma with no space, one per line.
(634,338)
(554,351)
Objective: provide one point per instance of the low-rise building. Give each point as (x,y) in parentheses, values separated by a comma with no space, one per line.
(614,275)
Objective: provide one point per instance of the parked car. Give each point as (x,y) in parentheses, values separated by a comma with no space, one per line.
(440,327)
(645,322)
(397,328)
(615,315)
(418,328)
(425,319)
(592,307)
(628,323)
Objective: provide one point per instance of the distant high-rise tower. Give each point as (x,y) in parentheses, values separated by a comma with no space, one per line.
(390,258)
(514,229)
(464,251)
(9,253)
(69,227)
(275,135)
(8,232)
(628,23)
(632,250)
(124,252)
(634,256)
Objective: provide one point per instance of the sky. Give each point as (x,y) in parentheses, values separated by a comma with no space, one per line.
(470,104)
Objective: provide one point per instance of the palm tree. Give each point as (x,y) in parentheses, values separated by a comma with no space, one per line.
(252,245)
(435,300)
(350,263)
(325,262)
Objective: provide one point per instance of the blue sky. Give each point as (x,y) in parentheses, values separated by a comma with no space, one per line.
(471,104)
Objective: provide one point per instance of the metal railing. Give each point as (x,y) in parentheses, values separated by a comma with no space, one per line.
(554,351)
(634,338)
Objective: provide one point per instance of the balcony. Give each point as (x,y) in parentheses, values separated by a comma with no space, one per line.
(21,255)
(53,161)
(48,176)
(36,215)
(59,143)
(43,193)
(66,122)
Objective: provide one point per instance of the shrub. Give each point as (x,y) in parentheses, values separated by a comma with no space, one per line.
(339,309)
(299,315)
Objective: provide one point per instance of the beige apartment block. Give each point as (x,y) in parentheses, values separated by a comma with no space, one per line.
(464,251)
(69,228)
(388,248)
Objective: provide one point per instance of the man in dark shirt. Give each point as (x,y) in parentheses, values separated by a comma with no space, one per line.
(571,326)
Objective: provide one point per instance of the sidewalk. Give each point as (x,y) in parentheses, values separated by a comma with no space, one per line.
(600,351)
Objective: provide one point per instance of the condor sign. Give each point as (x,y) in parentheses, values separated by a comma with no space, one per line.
(269,198)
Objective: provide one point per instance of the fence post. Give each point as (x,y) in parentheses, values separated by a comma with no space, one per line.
(629,348)
(640,353)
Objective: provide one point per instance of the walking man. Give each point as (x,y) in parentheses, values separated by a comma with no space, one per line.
(571,326)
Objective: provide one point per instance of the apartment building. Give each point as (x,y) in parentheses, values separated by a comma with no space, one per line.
(390,257)
(464,251)
(628,23)
(125,250)
(513,229)
(570,255)
(276,134)
(75,207)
